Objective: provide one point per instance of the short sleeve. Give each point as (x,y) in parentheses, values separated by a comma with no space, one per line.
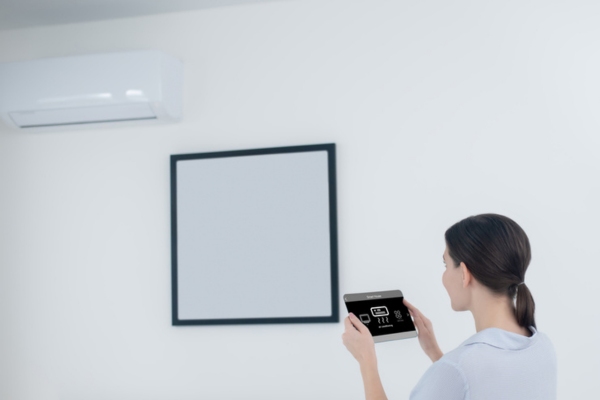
(443,380)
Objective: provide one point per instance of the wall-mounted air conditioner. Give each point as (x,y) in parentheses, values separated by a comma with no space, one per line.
(91,90)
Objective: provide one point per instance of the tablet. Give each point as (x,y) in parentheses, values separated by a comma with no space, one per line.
(383,313)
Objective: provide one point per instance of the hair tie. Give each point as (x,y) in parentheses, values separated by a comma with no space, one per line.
(522,283)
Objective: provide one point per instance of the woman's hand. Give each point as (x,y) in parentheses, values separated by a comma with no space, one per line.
(426,335)
(358,340)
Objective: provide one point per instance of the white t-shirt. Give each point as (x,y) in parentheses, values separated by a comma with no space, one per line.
(493,364)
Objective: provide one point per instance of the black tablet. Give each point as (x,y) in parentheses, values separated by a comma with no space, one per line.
(383,313)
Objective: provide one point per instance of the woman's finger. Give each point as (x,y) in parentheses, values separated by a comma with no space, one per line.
(419,323)
(411,308)
(427,323)
(424,325)
(347,324)
(415,311)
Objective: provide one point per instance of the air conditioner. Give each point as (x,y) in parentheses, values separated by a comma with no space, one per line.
(91,90)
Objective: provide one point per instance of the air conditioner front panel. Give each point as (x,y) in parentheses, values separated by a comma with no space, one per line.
(82,115)
(87,90)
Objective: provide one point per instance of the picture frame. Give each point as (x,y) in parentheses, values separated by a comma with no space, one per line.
(254,236)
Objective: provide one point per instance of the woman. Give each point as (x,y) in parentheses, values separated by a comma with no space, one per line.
(486,257)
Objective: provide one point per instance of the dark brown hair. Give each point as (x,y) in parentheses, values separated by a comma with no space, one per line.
(496,251)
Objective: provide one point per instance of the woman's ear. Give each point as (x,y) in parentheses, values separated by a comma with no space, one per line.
(466,275)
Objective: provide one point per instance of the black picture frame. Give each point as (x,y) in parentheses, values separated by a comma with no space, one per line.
(176,160)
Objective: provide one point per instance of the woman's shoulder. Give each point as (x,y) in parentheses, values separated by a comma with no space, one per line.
(473,366)
(495,341)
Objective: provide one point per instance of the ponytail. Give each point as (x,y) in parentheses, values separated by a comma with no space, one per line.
(525,308)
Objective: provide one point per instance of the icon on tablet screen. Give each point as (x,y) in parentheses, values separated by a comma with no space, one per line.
(379,311)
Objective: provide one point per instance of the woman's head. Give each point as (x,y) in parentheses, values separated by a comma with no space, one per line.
(496,252)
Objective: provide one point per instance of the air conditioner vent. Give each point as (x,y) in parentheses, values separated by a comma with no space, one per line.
(83,115)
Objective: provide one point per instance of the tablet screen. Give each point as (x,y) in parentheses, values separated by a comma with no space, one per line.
(383,313)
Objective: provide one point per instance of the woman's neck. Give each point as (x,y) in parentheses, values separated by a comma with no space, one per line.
(490,311)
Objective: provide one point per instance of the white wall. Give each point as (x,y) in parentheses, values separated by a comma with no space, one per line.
(440,110)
